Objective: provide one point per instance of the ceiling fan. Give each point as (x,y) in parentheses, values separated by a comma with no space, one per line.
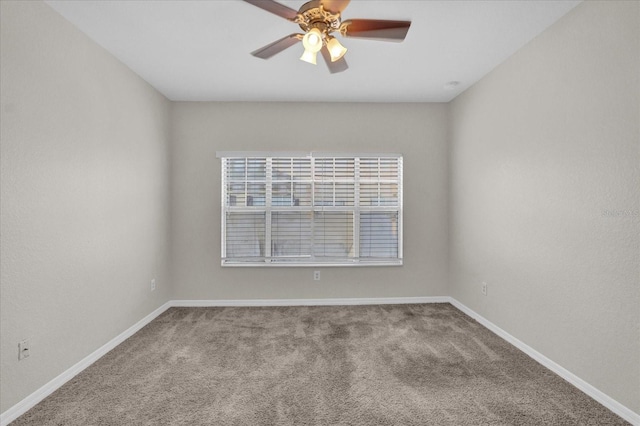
(318,19)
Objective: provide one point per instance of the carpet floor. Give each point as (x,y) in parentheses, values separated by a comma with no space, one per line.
(323,365)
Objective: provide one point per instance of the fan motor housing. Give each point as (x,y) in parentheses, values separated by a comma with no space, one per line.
(312,15)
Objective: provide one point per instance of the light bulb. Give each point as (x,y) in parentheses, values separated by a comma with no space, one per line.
(336,50)
(312,40)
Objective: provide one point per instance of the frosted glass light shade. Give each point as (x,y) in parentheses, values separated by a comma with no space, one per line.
(309,56)
(336,50)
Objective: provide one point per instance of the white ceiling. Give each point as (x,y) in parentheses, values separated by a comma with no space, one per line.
(199,50)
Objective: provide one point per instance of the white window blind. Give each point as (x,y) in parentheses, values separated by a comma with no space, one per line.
(308,210)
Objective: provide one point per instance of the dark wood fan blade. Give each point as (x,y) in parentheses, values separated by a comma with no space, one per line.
(335,6)
(277,46)
(334,67)
(376,29)
(275,8)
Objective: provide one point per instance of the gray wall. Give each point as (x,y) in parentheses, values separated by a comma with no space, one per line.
(200,129)
(544,196)
(84,187)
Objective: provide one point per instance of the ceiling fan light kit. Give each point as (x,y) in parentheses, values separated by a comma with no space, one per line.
(318,19)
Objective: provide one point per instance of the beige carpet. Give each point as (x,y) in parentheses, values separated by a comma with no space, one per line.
(347,365)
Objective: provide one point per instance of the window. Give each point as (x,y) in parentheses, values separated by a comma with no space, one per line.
(309,210)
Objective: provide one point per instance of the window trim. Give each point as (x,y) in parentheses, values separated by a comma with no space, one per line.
(356,209)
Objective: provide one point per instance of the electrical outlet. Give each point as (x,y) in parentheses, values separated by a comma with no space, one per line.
(23,349)
(316,275)
(153,284)
(484,288)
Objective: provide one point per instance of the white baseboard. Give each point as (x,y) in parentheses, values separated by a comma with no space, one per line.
(593,392)
(29,402)
(311,302)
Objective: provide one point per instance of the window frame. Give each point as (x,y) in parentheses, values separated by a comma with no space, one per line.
(356,210)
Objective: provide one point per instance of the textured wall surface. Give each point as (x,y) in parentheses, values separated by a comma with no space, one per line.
(200,129)
(544,196)
(84,212)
